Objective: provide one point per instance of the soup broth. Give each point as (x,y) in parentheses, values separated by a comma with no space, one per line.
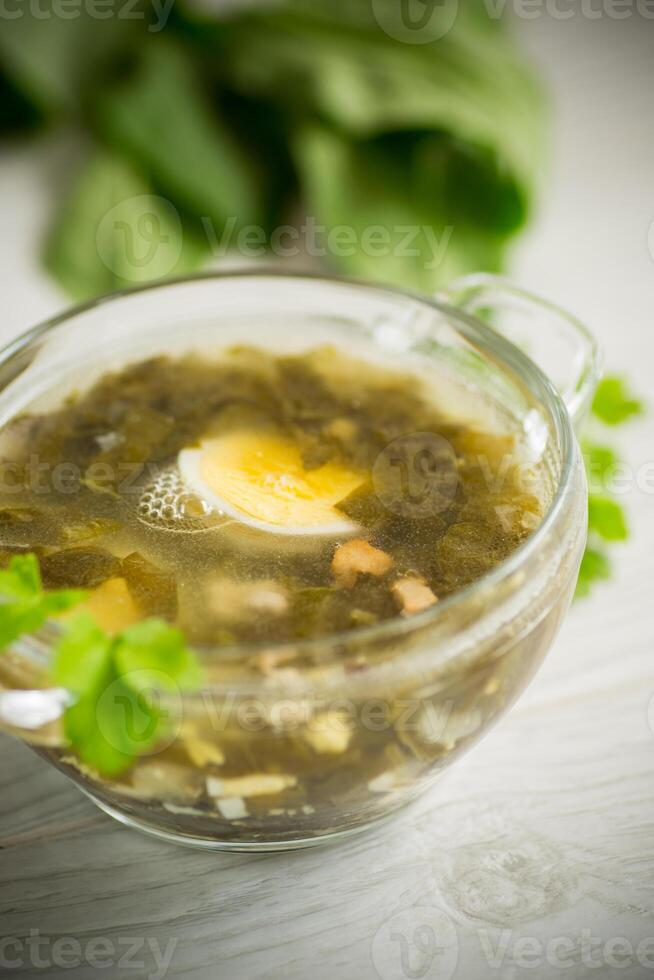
(260,497)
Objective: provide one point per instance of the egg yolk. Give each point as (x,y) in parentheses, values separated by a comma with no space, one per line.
(263,478)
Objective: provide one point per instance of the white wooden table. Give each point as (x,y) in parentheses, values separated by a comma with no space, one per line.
(535,856)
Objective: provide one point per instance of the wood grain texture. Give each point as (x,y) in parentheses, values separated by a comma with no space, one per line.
(546,830)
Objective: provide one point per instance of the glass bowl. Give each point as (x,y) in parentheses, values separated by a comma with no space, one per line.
(296,744)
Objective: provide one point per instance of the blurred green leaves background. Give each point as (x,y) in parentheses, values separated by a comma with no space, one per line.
(260,114)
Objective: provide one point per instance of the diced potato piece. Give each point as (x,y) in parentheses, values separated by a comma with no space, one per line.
(231,601)
(359,557)
(166,781)
(233,808)
(412,595)
(268,597)
(200,750)
(386,782)
(328,733)
(257,784)
(186,811)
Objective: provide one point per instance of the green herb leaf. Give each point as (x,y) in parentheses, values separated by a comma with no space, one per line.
(595,567)
(117,681)
(337,62)
(161,120)
(613,403)
(439,139)
(24,606)
(110,725)
(22,580)
(17,114)
(82,655)
(55,60)
(95,723)
(153,654)
(606,518)
(600,461)
(404,225)
(114,232)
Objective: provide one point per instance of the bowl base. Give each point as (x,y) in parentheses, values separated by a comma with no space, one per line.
(209,844)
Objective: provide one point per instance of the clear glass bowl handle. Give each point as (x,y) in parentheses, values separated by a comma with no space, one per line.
(561,346)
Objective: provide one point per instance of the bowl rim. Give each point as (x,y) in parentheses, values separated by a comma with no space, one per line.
(476,332)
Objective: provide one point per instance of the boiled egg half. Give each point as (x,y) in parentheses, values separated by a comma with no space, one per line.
(260,480)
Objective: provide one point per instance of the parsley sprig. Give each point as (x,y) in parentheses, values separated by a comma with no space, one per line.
(24,606)
(613,405)
(117,681)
